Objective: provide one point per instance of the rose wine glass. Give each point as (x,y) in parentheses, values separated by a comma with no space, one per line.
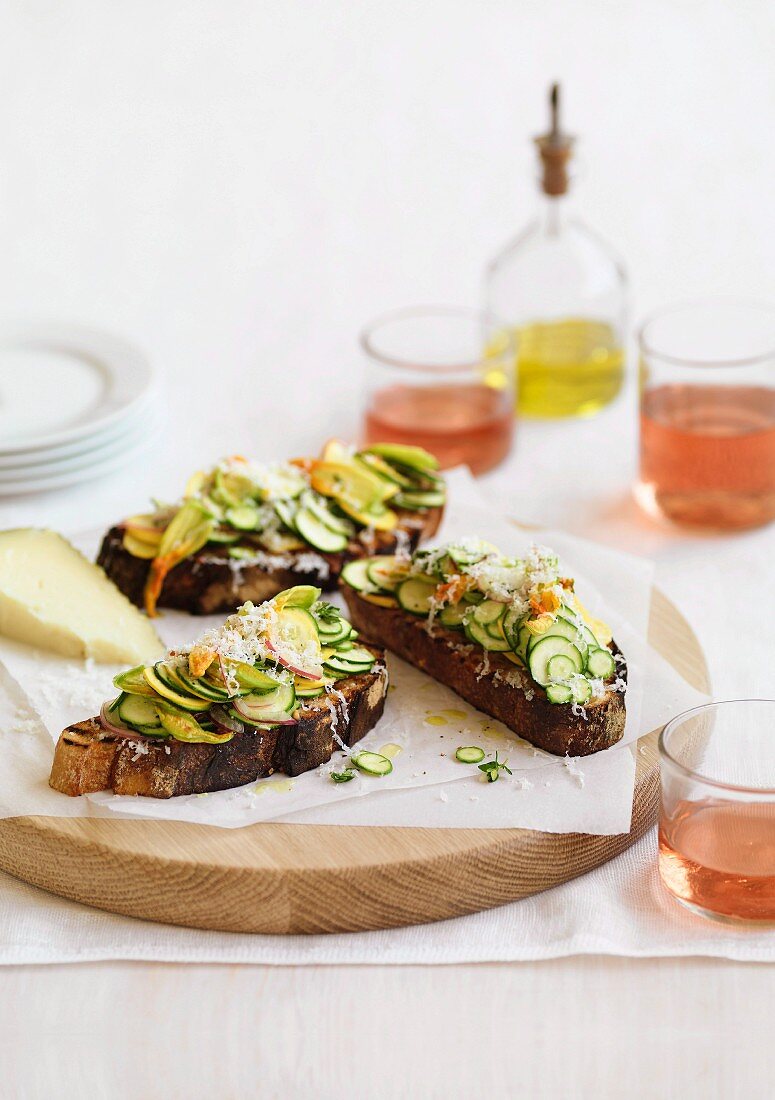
(441,378)
(707,415)
(717,822)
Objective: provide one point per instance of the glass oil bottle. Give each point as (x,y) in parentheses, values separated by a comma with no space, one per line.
(562,292)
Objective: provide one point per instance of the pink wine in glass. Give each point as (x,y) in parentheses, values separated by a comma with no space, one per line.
(707,454)
(720,857)
(461,423)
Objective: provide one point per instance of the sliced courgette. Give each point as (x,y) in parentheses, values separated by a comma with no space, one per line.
(244,517)
(469,754)
(559,693)
(414,500)
(319,508)
(372,763)
(138,711)
(344,668)
(286,512)
(453,615)
(543,651)
(560,667)
(355,573)
(581,689)
(386,573)
(317,534)
(512,621)
(479,634)
(561,628)
(334,633)
(162,688)
(414,594)
(356,656)
(600,663)
(489,611)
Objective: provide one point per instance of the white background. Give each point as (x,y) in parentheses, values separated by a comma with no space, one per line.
(239,187)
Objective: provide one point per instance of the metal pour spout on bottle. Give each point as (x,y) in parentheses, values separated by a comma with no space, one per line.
(562,293)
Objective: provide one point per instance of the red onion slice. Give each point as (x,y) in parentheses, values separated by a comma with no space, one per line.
(225,721)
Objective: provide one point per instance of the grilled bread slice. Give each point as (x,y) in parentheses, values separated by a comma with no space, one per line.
(88,758)
(490,682)
(211,581)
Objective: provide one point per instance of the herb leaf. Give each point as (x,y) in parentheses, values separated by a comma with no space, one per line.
(326,612)
(343,777)
(493,768)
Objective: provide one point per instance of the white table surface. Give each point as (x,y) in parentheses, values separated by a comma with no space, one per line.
(239,186)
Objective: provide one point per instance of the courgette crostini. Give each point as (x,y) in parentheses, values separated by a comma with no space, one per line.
(245,531)
(276,688)
(508,635)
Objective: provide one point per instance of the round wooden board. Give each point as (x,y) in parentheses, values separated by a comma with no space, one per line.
(315,878)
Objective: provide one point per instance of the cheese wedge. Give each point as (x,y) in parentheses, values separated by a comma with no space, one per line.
(53,598)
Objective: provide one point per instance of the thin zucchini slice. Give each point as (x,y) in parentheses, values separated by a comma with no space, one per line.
(386,573)
(414,595)
(286,512)
(372,763)
(308,693)
(469,754)
(356,656)
(479,634)
(274,707)
(543,651)
(495,630)
(414,500)
(317,505)
(221,535)
(512,621)
(581,689)
(198,688)
(489,611)
(334,633)
(453,615)
(562,628)
(586,635)
(559,693)
(402,454)
(600,663)
(138,711)
(355,573)
(244,517)
(343,667)
(560,667)
(253,679)
(524,638)
(162,688)
(317,534)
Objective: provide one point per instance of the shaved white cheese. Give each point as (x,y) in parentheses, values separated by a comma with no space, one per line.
(275,480)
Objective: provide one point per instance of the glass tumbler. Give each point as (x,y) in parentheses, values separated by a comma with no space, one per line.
(707,415)
(717,822)
(441,378)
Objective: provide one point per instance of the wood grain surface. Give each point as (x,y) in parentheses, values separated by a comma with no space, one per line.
(283,878)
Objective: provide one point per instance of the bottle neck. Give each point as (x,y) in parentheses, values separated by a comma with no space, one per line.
(553,214)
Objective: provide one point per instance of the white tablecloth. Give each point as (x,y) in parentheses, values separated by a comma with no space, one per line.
(620,908)
(718,583)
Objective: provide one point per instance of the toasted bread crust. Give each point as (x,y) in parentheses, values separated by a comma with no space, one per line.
(88,759)
(210,582)
(480,679)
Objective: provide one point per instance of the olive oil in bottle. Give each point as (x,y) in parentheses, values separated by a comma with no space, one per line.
(562,292)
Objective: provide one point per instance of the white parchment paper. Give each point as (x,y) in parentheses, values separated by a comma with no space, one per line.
(427,722)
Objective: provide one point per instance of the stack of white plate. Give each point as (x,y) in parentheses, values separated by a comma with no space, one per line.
(75,404)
